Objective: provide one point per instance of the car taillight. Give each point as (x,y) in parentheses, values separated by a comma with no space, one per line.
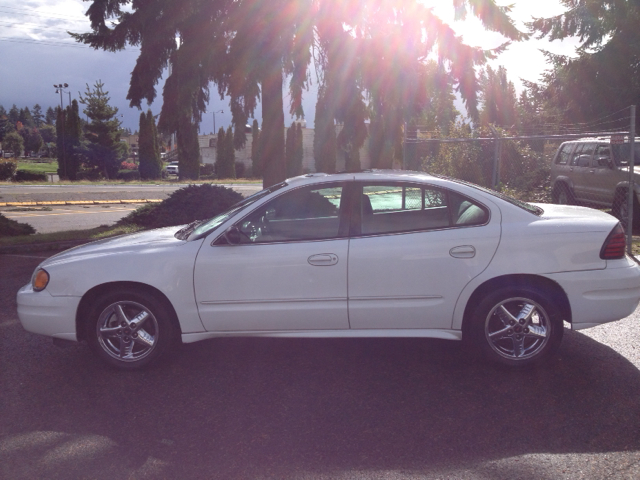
(615,244)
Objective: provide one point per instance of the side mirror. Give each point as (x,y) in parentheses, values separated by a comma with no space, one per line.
(232,235)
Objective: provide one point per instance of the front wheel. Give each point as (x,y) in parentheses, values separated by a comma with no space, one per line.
(130,330)
(518,327)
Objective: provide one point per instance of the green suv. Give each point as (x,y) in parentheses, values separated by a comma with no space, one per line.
(595,172)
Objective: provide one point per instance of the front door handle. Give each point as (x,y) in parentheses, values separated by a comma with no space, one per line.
(323,259)
(463,251)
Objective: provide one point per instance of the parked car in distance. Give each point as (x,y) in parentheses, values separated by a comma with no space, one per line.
(172,168)
(595,172)
(426,256)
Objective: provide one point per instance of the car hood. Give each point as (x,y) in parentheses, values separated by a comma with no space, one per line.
(159,238)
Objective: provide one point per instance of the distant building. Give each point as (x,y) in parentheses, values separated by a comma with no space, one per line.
(132,141)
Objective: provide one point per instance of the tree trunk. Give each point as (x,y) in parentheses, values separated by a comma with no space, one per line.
(272,135)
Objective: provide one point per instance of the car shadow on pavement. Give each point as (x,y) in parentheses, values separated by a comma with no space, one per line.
(338,408)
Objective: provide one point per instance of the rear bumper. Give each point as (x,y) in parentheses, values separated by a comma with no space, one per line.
(41,313)
(600,296)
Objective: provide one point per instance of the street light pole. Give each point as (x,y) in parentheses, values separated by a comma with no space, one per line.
(214,120)
(59,88)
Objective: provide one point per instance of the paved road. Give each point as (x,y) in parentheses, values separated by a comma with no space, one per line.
(69,217)
(309,409)
(32,193)
(78,217)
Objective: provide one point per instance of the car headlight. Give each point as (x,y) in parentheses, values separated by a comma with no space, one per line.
(40,280)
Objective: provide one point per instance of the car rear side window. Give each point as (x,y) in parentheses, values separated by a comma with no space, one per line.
(403,208)
(563,154)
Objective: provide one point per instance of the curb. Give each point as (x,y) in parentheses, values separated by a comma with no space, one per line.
(77,202)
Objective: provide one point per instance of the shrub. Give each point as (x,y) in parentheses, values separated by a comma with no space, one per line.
(7,168)
(195,202)
(128,166)
(27,176)
(206,169)
(128,175)
(89,174)
(11,228)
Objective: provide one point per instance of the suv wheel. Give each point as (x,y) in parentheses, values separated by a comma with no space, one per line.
(563,195)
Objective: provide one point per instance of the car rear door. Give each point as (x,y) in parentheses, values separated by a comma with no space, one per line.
(412,251)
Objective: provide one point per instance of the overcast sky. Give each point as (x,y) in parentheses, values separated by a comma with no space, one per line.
(36,53)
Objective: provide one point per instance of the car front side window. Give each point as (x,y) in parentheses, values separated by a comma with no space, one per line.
(310,213)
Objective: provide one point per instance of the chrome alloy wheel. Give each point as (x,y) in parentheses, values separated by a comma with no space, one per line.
(127,331)
(517,328)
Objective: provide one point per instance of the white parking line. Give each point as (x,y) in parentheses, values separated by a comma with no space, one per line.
(24,256)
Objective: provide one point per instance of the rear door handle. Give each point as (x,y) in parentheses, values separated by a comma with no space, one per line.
(463,251)
(323,259)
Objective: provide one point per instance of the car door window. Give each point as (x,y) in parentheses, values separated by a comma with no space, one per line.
(584,160)
(576,154)
(564,153)
(302,214)
(404,208)
(602,156)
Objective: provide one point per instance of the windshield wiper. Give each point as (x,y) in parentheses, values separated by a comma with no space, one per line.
(184,232)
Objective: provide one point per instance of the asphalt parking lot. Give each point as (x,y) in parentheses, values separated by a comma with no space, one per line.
(327,408)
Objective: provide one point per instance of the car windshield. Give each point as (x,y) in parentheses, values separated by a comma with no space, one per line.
(204,228)
(513,201)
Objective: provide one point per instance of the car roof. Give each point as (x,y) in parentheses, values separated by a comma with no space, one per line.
(369,175)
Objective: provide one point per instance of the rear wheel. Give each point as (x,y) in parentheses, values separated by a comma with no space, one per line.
(563,195)
(130,330)
(620,208)
(518,327)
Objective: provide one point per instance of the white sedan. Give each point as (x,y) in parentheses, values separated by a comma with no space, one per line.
(372,254)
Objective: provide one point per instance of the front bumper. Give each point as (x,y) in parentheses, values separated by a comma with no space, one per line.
(41,313)
(600,296)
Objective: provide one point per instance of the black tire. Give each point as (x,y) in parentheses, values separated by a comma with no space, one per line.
(146,332)
(562,195)
(619,209)
(517,326)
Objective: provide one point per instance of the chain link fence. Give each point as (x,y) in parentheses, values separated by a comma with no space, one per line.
(585,168)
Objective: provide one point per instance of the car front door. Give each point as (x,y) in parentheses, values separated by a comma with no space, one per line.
(286,269)
(412,251)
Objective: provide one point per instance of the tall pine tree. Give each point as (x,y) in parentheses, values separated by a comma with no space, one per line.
(149,153)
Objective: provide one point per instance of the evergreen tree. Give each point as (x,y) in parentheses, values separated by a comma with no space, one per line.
(498,97)
(50,116)
(324,141)
(150,163)
(220,153)
(256,165)
(26,118)
(5,126)
(104,150)
(299,152)
(229,165)
(14,116)
(60,143)
(289,147)
(73,137)
(37,115)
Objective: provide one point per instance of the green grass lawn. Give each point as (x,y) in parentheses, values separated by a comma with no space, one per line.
(43,165)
